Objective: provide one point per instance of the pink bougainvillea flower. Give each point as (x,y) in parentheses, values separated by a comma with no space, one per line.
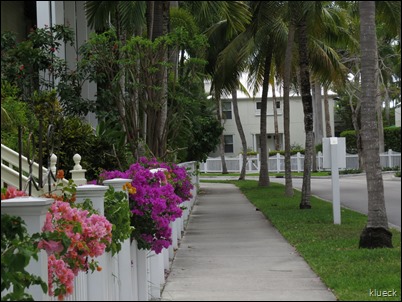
(50,246)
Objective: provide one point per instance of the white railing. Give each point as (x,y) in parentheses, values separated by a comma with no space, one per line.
(276,163)
(10,170)
(131,275)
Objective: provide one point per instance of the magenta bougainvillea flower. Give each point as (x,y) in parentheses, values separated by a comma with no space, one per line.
(160,190)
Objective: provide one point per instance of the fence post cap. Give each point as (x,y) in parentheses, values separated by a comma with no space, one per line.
(77,160)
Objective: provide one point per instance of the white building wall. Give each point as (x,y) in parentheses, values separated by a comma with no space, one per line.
(71,14)
(250,119)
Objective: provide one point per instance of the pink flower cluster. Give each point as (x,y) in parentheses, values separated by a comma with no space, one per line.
(156,202)
(71,235)
(11,192)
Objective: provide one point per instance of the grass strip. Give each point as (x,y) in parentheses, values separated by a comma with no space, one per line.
(332,251)
(273,174)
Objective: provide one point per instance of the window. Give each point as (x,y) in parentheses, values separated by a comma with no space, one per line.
(228,143)
(278,105)
(227,110)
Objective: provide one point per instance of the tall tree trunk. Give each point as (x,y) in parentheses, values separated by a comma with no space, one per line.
(286,110)
(376,233)
(222,138)
(314,155)
(380,119)
(328,130)
(356,122)
(264,177)
(241,134)
(150,18)
(308,112)
(158,25)
(277,142)
(318,130)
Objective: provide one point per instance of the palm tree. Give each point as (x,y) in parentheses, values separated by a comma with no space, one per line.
(235,16)
(286,106)
(318,26)
(267,36)
(376,233)
(301,26)
(241,134)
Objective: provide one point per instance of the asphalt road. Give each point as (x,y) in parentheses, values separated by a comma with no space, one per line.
(353,193)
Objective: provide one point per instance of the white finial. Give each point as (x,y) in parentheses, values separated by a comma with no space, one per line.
(53,160)
(77,160)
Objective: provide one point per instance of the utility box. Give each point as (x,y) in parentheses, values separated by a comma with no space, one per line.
(340,144)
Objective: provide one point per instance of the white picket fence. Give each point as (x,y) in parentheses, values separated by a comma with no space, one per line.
(131,275)
(276,163)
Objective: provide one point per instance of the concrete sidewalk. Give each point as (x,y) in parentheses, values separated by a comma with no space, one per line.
(231,252)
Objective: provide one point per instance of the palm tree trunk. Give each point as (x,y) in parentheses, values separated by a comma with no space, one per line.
(277,143)
(286,110)
(328,130)
(308,112)
(222,138)
(318,130)
(380,121)
(376,233)
(264,177)
(241,134)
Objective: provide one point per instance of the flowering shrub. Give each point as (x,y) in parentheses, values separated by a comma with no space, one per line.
(117,212)
(11,192)
(17,249)
(177,176)
(156,200)
(71,234)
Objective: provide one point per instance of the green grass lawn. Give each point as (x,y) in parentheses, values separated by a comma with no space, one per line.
(331,250)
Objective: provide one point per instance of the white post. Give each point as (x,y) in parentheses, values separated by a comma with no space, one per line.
(175,244)
(78,174)
(154,276)
(166,263)
(33,211)
(142,270)
(319,156)
(389,158)
(123,257)
(298,159)
(278,162)
(134,270)
(161,269)
(97,281)
(336,203)
(240,162)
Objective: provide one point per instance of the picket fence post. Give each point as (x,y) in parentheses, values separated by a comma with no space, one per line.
(33,211)
(298,158)
(389,158)
(97,282)
(127,289)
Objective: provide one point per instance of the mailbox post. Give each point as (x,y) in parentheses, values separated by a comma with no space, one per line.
(334,150)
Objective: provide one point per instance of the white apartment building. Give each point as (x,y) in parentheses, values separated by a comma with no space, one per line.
(249,111)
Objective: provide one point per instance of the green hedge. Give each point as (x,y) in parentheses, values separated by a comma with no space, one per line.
(392,139)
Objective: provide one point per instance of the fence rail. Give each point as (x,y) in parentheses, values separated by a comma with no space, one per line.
(10,170)
(276,163)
